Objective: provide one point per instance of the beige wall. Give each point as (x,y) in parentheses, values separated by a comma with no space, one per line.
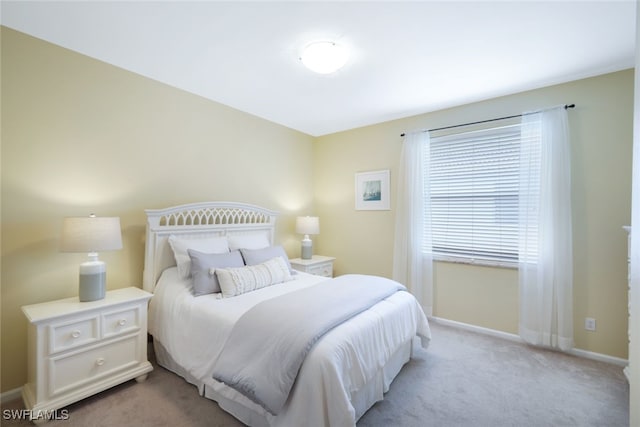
(601,138)
(81,136)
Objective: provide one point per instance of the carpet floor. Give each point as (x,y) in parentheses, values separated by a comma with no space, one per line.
(462,379)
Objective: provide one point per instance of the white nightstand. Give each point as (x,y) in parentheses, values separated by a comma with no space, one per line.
(318,265)
(77,349)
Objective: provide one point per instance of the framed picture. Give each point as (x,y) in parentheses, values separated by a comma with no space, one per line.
(372,190)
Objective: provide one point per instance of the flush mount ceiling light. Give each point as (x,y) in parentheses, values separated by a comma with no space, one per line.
(324,57)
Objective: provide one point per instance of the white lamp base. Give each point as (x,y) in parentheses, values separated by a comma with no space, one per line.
(93,279)
(306,250)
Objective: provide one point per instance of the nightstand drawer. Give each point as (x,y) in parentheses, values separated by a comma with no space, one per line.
(325,270)
(120,322)
(82,367)
(318,265)
(68,335)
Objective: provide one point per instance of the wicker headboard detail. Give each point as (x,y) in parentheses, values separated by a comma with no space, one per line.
(198,220)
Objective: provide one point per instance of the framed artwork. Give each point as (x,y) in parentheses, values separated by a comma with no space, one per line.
(372,191)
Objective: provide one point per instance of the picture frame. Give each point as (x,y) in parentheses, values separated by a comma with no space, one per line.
(372,191)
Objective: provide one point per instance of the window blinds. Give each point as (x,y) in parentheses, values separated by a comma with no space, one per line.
(473,186)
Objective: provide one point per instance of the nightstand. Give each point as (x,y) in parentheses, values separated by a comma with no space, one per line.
(77,349)
(318,265)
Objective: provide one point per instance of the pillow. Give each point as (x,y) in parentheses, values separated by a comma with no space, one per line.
(203,269)
(236,281)
(248,241)
(258,256)
(209,245)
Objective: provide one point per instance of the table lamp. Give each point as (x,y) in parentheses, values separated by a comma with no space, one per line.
(307,225)
(91,234)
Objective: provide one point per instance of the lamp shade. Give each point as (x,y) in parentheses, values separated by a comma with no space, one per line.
(91,234)
(307,225)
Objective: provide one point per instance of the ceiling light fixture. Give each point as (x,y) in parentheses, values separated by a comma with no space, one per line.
(324,57)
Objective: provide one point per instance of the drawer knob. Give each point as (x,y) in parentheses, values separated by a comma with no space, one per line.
(100,361)
(122,322)
(75,334)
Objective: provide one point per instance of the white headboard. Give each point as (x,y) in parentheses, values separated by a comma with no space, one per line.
(197,220)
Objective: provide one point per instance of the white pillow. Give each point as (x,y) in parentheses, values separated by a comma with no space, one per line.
(236,281)
(209,245)
(248,241)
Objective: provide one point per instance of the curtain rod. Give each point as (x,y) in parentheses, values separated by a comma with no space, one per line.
(566,106)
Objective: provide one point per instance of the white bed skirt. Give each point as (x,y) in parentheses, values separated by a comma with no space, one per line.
(252,415)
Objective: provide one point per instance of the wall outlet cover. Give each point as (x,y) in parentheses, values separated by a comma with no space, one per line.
(590,324)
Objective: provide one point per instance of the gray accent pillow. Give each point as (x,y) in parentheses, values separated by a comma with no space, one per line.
(203,269)
(258,256)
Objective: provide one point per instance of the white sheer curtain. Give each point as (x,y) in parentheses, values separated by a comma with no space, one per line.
(411,265)
(545,236)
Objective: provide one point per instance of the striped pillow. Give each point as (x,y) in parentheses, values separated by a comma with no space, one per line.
(240,280)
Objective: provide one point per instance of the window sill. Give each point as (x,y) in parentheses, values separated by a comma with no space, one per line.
(478,262)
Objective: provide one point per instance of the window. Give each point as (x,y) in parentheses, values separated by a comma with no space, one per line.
(473,188)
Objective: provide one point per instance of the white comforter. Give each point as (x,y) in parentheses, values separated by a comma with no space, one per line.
(194,329)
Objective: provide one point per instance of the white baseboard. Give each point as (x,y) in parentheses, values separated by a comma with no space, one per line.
(513,337)
(600,357)
(10,395)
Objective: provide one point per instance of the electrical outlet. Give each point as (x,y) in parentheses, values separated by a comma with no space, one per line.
(590,323)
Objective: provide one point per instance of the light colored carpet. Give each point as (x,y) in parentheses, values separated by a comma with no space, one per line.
(462,379)
(469,379)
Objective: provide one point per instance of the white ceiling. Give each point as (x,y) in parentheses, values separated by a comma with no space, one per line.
(407,57)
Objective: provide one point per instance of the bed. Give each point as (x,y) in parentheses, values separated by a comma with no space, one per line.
(344,371)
